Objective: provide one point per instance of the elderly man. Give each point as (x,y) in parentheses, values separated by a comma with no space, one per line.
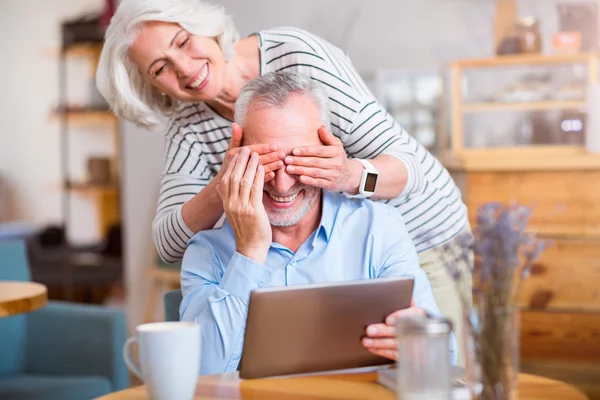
(284,232)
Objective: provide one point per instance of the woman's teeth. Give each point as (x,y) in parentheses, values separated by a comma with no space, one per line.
(286,199)
(201,78)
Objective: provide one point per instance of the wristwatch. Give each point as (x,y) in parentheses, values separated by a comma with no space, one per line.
(368,181)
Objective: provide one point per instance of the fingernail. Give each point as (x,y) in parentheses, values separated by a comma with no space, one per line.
(281,155)
(290,168)
(273,147)
(279,164)
(367,342)
(289,160)
(391,320)
(245,150)
(296,152)
(372,330)
(235,156)
(254,156)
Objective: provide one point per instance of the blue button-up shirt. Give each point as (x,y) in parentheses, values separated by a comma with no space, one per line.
(356,239)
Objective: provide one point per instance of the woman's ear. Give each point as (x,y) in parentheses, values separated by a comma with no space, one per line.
(166,100)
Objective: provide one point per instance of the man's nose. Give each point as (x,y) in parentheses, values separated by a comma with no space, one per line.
(283,181)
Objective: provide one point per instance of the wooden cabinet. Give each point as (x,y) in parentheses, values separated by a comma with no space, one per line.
(561,298)
(495,146)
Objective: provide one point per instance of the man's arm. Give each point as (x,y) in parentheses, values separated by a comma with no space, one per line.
(399,258)
(219,304)
(219,301)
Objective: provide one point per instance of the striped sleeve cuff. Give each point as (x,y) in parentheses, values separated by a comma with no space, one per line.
(184,229)
(415,180)
(171,235)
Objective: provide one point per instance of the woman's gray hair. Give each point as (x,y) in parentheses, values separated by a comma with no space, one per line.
(273,90)
(128,93)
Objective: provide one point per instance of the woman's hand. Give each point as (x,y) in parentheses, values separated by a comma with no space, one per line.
(269,157)
(325,166)
(241,190)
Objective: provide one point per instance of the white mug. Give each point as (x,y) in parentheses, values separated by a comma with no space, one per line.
(169,354)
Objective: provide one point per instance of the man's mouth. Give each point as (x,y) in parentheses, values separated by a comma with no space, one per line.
(283,199)
(199,78)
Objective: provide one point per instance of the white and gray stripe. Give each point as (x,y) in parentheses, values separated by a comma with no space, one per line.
(197,139)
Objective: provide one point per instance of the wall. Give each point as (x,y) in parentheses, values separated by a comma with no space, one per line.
(142,167)
(29,138)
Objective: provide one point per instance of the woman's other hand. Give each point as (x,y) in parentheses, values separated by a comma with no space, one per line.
(325,166)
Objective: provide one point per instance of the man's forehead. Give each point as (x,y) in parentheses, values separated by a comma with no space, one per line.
(292,125)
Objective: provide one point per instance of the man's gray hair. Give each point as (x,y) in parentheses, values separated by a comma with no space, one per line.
(273,90)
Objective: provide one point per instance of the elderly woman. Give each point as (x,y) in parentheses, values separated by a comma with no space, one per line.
(183,60)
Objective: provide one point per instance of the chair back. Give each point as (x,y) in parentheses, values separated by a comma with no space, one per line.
(172,301)
(14,266)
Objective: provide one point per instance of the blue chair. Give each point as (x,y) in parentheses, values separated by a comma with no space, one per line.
(61,351)
(171,302)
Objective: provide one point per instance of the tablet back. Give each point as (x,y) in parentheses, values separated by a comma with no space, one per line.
(318,327)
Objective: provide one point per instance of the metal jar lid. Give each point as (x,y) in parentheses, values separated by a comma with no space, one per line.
(423,325)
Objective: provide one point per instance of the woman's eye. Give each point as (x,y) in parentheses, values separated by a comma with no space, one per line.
(184,42)
(160,70)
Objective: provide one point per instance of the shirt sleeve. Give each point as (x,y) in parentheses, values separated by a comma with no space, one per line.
(216,297)
(186,173)
(367,130)
(399,258)
(374,132)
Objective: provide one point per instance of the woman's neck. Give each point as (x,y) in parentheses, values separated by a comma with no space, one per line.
(244,67)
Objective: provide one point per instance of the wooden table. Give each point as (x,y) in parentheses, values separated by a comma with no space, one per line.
(347,386)
(21,297)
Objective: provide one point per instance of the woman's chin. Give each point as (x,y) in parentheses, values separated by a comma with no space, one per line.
(206,94)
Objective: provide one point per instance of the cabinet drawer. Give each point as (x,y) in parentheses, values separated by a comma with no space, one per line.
(560,336)
(567,276)
(566,203)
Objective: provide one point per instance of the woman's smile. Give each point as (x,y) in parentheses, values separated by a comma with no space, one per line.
(200,79)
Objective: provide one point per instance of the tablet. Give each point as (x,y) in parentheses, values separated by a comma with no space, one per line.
(317,327)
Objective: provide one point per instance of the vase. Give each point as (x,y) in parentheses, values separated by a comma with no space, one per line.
(492,347)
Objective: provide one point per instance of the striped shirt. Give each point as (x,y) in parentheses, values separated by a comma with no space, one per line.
(197,138)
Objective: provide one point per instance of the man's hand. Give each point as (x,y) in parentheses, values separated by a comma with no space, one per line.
(325,166)
(241,190)
(381,338)
(270,158)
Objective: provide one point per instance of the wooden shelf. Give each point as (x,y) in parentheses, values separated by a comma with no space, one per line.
(530,158)
(91,187)
(524,59)
(77,50)
(87,116)
(525,106)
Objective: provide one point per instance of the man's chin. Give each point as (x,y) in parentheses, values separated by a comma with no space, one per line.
(280,220)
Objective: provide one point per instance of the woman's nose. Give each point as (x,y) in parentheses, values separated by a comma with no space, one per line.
(283,181)
(183,66)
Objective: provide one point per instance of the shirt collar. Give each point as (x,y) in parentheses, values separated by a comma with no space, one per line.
(328,211)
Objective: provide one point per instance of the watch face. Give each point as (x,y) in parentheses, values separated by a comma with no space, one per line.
(370,182)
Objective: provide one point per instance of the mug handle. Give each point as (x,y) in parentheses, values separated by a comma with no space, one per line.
(131,364)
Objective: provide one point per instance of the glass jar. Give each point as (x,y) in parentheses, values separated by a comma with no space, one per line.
(424,366)
(529,35)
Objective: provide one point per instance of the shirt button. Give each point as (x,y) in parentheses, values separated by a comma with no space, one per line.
(293,263)
(261,285)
